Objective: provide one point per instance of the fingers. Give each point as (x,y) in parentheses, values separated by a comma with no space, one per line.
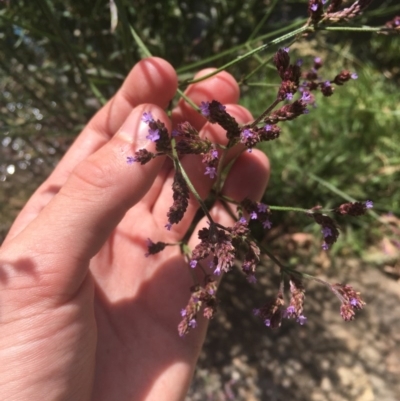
(70,230)
(152,80)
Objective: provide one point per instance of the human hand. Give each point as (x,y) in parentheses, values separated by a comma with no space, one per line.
(83,313)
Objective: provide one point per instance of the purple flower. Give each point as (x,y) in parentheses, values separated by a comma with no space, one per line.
(290,310)
(317,60)
(253,216)
(174,133)
(354,75)
(154,135)
(131,159)
(267,322)
(286,49)
(168,226)
(267,128)
(193,263)
(267,224)
(192,323)
(299,62)
(147,117)
(183,312)
(246,134)
(242,220)
(217,271)
(262,207)
(326,232)
(327,83)
(325,246)
(314,7)
(306,97)
(256,312)
(369,204)
(301,320)
(251,278)
(204,108)
(289,96)
(211,171)
(214,154)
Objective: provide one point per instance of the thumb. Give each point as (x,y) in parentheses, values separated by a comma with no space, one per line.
(74,225)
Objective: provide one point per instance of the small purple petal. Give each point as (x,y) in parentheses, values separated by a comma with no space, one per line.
(267,322)
(183,312)
(253,216)
(168,226)
(262,207)
(301,320)
(211,171)
(289,96)
(299,62)
(131,159)
(325,246)
(354,75)
(317,60)
(204,108)
(314,7)
(286,49)
(267,224)
(267,128)
(251,278)
(214,154)
(242,220)
(154,135)
(256,312)
(192,323)
(369,204)
(326,232)
(147,117)
(193,263)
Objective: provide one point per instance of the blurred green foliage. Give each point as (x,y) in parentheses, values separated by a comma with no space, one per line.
(59,60)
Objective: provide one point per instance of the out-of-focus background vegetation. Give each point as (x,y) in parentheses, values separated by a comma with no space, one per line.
(59,60)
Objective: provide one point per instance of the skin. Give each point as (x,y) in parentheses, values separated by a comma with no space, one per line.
(84,315)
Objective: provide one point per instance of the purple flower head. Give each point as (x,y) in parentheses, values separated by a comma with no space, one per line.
(192,323)
(317,60)
(131,159)
(183,312)
(193,263)
(147,117)
(175,133)
(267,127)
(214,154)
(326,232)
(249,150)
(204,108)
(327,83)
(242,220)
(262,207)
(301,320)
(253,216)
(314,7)
(354,75)
(290,310)
(286,49)
(154,135)
(168,226)
(299,62)
(306,97)
(267,224)
(217,271)
(325,246)
(251,278)
(369,204)
(256,312)
(267,322)
(246,134)
(353,302)
(211,171)
(289,96)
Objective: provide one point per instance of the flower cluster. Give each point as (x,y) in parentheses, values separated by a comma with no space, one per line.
(350,299)
(333,13)
(201,297)
(221,247)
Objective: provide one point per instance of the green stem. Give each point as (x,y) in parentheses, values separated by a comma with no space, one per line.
(250,53)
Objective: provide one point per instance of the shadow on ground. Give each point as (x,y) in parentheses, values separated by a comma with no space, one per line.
(326,359)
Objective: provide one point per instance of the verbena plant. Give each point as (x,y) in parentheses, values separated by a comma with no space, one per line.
(297,89)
